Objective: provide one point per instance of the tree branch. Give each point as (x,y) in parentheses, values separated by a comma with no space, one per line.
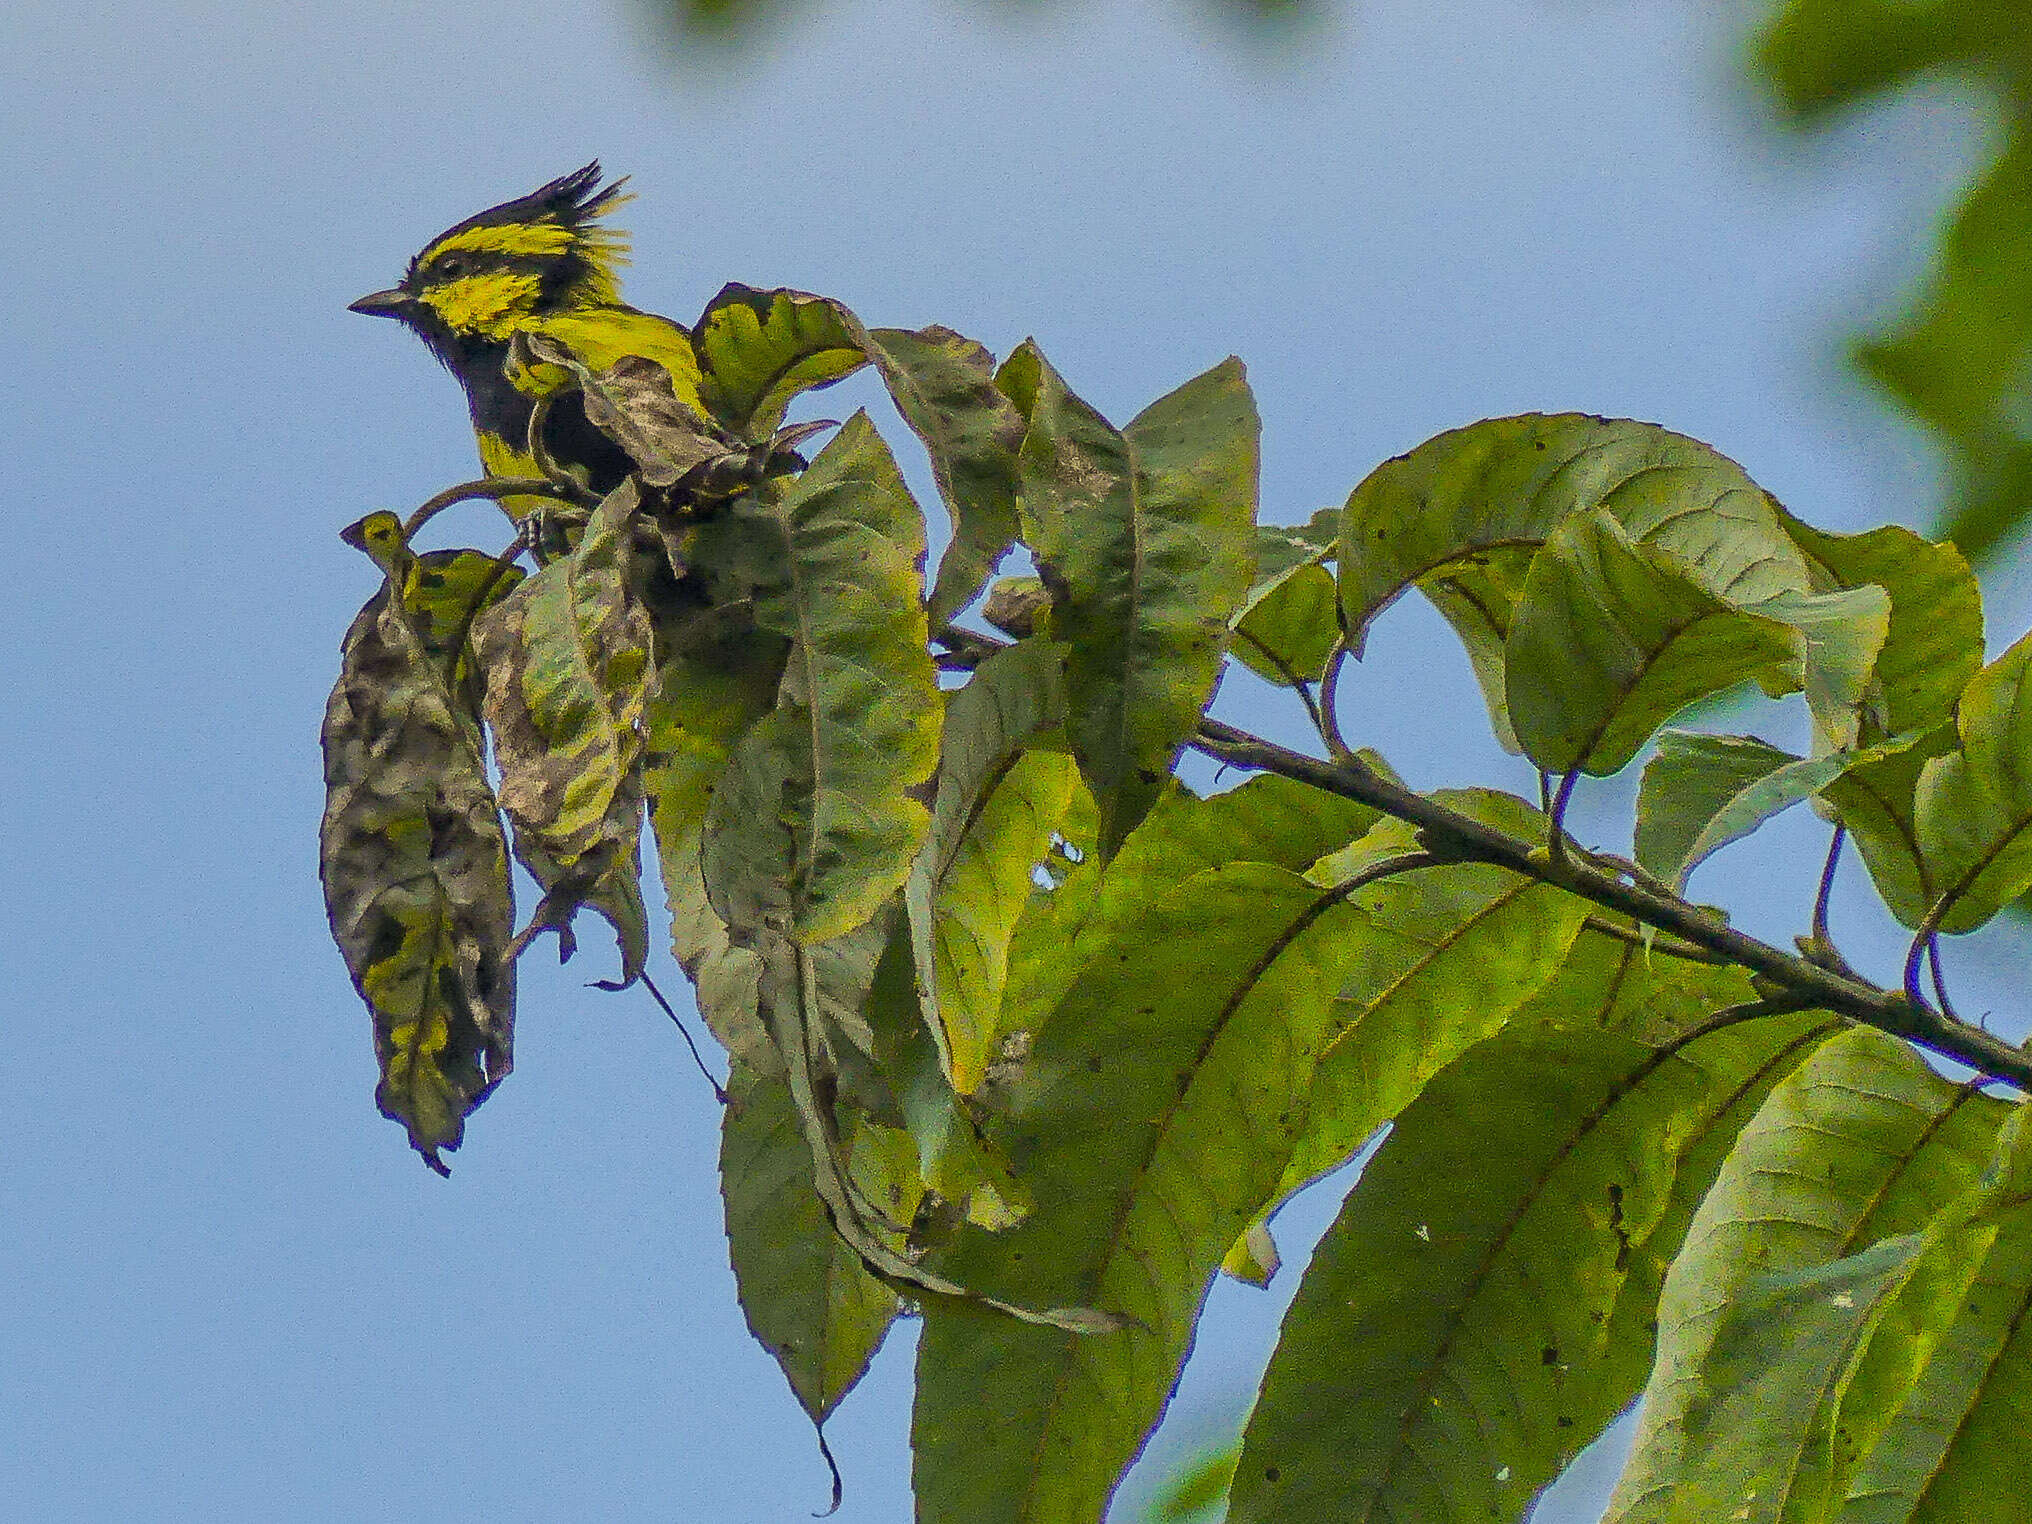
(1452,836)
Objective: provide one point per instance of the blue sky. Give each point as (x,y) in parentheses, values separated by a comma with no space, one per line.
(230,1290)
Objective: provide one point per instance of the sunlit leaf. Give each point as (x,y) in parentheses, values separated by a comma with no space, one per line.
(997,806)
(1150,1122)
(716,676)
(1199,1487)
(1702,792)
(568,669)
(807,1297)
(1145,538)
(1613,637)
(1935,641)
(1878,803)
(760,349)
(1974,806)
(411,852)
(1963,1382)
(1267,819)
(1446,1354)
(1861,1144)
(944,386)
(1289,625)
(816,825)
(1446,955)
(1462,516)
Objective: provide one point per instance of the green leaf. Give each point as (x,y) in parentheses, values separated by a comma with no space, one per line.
(1949,1449)
(1144,538)
(716,676)
(411,852)
(1199,1488)
(944,386)
(1841,634)
(1702,792)
(1802,1398)
(971,1179)
(1446,1355)
(1974,805)
(1462,516)
(1761,1446)
(1446,955)
(816,825)
(997,807)
(1151,1123)
(1878,803)
(1613,637)
(807,1297)
(1861,1144)
(760,349)
(1267,819)
(1280,547)
(1289,624)
(1935,641)
(567,664)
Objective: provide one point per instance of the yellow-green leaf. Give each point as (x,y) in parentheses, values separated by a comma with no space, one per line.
(1144,537)
(568,669)
(1861,1144)
(817,823)
(1974,805)
(759,349)
(1150,1122)
(412,854)
(1446,1354)
(1612,637)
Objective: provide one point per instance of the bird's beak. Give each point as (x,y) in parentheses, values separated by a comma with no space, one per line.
(392,303)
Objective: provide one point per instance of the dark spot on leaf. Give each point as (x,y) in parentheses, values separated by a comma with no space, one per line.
(1146,775)
(1538,444)
(1094,1064)
(1549,1355)
(1563,1421)
(1272,1474)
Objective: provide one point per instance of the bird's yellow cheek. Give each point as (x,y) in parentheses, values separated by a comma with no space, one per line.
(492,305)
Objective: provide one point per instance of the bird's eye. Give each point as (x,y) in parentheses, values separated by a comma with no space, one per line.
(451,269)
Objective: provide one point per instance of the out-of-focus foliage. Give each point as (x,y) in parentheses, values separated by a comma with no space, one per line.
(1960,357)
(745,21)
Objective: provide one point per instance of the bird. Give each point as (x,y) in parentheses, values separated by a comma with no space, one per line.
(547,265)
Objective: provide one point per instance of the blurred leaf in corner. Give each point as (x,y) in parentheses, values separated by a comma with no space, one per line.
(1960,356)
(739,22)
(1198,1490)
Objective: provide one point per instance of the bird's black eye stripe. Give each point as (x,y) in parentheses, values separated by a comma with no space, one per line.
(473,262)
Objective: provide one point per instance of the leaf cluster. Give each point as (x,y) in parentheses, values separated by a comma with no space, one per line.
(1030,1040)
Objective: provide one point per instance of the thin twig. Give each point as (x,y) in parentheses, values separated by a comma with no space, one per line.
(1820,900)
(1329,700)
(495,487)
(685,1032)
(1939,977)
(1556,841)
(1294,682)
(1463,838)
